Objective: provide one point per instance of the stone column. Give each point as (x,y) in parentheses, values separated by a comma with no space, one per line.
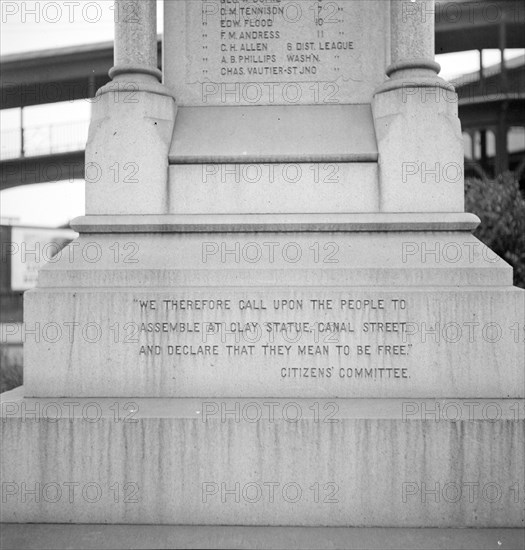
(413,42)
(132,122)
(415,116)
(136,39)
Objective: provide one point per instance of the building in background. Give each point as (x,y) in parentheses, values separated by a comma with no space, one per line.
(23,251)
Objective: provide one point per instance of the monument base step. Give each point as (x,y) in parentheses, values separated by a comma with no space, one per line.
(86,537)
(278,462)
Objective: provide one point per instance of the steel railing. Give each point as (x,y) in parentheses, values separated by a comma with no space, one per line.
(43,140)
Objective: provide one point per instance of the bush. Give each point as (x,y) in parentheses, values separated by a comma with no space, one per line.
(501,207)
(10,370)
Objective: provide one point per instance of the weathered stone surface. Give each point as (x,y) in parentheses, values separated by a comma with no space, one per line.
(283,188)
(273,134)
(127,152)
(282,223)
(138,344)
(186,315)
(421,150)
(412,30)
(135,35)
(124,537)
(301,53)
(301,462)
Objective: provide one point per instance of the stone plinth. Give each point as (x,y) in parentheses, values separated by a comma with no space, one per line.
(271,462)
(111,537)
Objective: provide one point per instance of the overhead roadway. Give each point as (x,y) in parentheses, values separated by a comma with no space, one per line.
(494,102)
(50,76)
(479,25)
(66,166)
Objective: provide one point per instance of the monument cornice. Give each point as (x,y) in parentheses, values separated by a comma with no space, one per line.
(283,223)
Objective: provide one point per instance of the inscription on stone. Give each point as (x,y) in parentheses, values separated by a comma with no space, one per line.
(254,52)
(261,40)
(337,337)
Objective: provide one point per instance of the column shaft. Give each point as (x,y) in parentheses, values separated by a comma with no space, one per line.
(412,39)
(135,38)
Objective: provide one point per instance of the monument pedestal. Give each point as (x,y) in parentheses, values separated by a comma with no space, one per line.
(147,429)
(276,313)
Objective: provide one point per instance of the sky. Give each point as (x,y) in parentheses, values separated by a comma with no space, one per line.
(36,25)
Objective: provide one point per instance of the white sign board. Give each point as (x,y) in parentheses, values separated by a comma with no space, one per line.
(31,249)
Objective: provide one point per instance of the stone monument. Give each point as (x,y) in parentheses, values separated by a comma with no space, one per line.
(276,312)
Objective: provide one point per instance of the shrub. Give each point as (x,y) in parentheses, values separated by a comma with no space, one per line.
(500,205)
(10,371)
